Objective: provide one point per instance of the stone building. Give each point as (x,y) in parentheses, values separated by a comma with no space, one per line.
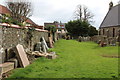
(110,26)
(61,30)
(60,26)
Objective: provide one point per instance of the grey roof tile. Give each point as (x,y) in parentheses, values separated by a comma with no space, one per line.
(112,18)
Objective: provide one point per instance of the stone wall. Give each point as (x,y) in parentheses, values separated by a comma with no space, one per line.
(10,37)
(109,31)
(0,44)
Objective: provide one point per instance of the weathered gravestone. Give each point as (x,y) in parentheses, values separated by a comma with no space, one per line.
(21,55)
(44,47)
(2,56)
(5,67)
(50,42)
(51,55)
(45,43)
(113,42)
(38,47)
(79,38)
(15,61)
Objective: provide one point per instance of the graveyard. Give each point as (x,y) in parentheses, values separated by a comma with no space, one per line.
(73,48)
(75,60)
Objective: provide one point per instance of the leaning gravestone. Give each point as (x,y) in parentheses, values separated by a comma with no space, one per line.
(22,57)
(45,43)
(44,47)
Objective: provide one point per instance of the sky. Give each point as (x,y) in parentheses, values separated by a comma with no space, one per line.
(63,10)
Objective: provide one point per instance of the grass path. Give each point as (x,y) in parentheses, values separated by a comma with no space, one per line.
(76,60)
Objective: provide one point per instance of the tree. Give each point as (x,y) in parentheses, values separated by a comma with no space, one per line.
(20,10)
(78,12)
(83,13)
(92,31)
(80,28)
(52,30)
(77,28)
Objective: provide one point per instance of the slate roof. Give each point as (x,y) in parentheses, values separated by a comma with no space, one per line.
(112,18)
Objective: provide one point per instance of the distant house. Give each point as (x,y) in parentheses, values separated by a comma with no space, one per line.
(110,26)
(29,23)
(60,27)
(3,10)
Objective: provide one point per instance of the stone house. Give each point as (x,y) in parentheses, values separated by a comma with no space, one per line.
(110,26)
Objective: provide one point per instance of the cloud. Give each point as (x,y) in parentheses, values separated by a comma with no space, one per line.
(62,10)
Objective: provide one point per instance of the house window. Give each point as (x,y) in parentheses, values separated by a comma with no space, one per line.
(103,31)
(113,32)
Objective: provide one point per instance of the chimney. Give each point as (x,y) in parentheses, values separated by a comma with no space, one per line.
(110,5)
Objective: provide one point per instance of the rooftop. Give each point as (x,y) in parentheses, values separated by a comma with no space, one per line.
(112,19)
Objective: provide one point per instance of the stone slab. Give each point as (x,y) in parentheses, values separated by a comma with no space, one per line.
(15,62)
(50,41)
(22,56)
(51,56)
(5,67)
(45,43)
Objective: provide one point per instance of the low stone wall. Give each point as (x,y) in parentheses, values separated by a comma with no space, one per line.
(105,39)
(10,37)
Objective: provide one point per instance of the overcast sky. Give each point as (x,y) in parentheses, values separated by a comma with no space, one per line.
(63,10)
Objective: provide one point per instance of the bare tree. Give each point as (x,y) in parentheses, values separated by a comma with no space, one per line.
(87,14)
(78,12)
(83,13)
(21,10)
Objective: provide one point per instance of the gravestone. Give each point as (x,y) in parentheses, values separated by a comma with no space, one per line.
(50,41)
(21,55)
(15,62)
(2,56)
(5,67)
(51,55)
(44,47)
(79,38)
(38,47)
(45,43)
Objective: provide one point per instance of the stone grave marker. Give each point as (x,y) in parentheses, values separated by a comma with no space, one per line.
(5,67)
(45,43)
(22,57)
(50,41)
(44,47)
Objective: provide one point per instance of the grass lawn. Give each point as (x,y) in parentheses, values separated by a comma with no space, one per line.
(75,60)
